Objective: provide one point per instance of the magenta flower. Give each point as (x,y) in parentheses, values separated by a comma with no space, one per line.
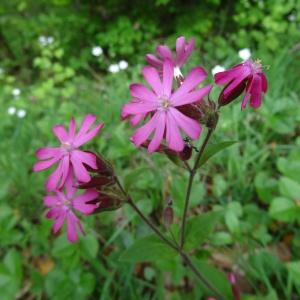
(161,104)
(248,77)
(68,156)
(63,204)
(183,52)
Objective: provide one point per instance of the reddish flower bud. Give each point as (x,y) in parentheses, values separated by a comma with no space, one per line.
(234,287)
(225,99)
(107,203)
(168,215)
(97,182)
(103,167)
(186,153)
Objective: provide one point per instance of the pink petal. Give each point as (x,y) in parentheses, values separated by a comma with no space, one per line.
(255,101)
(245,100)
(60,133)
(47,152)
(159,131)
(70,185)
(194,77)
(54,213)
(72,222)
(191,97)
(152,77)
(173,136)
(139,91)
(80,171)
(153,60)
(232,86)
(180,45)
(191,127)
(72,128)
(85,137)
(58,177)
(85,157)
(164,52)
(42,165)
(240,71)
(142,133)
(59,222)
(86,123)
(133,108)
(80,202)
(50,200)
(137,118)
(168,72)
(264,82)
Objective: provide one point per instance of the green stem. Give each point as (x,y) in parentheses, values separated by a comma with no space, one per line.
(192,172)
(171,244)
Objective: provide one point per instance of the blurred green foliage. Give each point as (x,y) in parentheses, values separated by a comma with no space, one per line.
(252,188)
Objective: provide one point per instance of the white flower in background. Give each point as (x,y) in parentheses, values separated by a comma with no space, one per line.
(292,18)
(123,64)
(217,69)
(245,54)
(97,51)
(43,40)
(50,40)
(16,92)
(114,68)
(11,110)
(1,70)
(21,113)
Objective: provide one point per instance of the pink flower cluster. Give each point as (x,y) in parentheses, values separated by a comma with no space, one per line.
(72,170)
(163,108)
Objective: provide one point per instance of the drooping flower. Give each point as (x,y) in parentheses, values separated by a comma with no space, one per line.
(183,52)
(161,104)
(63,204)
(247,76)
(67,155)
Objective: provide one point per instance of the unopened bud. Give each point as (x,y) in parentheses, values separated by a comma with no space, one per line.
(97,182)
(225,98)
(107,203)
(234,287)
(186,153)
(168,215)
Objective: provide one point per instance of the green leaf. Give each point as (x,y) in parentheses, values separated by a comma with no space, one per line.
(284,209)
(294,271)
(217,278)
(289,188)
(233,212)
(149,249)
(199,228)
(213,149)
(266,187)
(90,245)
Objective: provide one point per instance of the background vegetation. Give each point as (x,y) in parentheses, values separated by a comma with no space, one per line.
(48,74)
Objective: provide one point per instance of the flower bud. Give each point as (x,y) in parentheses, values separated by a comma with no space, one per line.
(168,216)
(234,287)
(97,182)
(186,153)
(225,99)
(107,203)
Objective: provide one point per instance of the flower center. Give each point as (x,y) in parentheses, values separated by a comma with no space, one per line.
(164,102)
(67,146)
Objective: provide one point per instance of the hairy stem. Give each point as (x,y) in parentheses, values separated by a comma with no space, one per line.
(190,184)
(187,261)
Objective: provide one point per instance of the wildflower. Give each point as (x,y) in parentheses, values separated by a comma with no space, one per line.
(248,77)
(114,68)
(11,110)
(16,92)
(43,40)
(63,204)
(97,51)
(162,105)
(216,69)
(183,52)
(50,40)
(123,64)
(245,54)
(21,113)
(68,156)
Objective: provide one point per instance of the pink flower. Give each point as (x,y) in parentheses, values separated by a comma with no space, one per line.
(67,155)
(248,77)
(63,204)
(183,52)
(161,104)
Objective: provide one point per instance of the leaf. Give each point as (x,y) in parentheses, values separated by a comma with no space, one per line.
(233,212)
(213,149)
(283,209)
(294,271)
(149,249)
(217,278)
(199,228)
(266,187)
(289,188)
(90,245)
